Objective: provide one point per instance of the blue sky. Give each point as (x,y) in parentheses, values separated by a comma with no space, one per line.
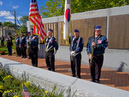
(21,6)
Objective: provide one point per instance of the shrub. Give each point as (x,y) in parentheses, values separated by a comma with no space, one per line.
(12,87)
(2,52)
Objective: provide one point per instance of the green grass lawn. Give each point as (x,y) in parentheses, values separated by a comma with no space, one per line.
(4,49)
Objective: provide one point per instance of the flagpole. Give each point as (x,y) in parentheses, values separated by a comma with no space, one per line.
(70,33)
(70,29)
(67,15)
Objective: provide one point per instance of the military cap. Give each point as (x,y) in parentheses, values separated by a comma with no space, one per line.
(76,30)
(50,30)
(97,27)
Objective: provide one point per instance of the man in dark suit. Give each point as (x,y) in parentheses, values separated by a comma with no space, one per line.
(76,47)
(95,49)
(9,43)
(50,44)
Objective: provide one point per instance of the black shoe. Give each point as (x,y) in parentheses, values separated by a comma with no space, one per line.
(22,57)
(49,69)
(79,77)
(73,75)
(34,65)
(92,80)
(97,81)
(53,70)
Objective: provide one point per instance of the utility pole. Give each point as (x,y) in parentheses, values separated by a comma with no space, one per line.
(1,28)
(15,18)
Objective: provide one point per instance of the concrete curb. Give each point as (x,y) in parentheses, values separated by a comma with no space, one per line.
(71,87)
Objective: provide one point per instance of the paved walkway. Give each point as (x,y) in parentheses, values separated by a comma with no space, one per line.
(109,77)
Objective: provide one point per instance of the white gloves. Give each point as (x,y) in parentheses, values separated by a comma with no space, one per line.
(72,53)
(55,52)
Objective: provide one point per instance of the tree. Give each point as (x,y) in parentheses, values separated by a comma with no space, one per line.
(52,8)
(0,23)
(23,28)
(56,7)
(24,19)
(8,24)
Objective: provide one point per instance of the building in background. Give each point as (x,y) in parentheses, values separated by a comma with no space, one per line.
(0,28)
(6,30)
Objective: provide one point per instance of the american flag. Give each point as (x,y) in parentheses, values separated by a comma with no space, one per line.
(25,91)
(36,19)
(36,31)
(66,20)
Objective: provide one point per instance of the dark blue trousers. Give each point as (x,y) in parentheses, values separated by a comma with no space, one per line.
(10,50)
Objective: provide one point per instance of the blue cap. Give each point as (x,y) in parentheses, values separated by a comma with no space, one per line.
(32,29)
(50,30)
(28,32)
(97,27)
(76,30)
(22,32)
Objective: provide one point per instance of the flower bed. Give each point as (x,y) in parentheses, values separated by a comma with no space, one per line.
(12,87)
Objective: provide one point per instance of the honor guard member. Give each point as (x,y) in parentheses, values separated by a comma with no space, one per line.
(50,44)
(17,42)
(23,45)
(9,43)
(2,40)
(95,49)
(28,44)
(76,47)
(34,48)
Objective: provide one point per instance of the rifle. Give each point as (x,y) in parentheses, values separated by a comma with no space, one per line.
(91,60)
(70,43)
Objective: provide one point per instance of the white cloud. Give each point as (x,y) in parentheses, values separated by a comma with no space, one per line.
(9,17)
(15,7)
(9,21)
(1,2)
(5,13)
(12,17)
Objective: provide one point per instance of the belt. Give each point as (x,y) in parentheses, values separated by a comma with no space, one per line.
(99,55)
(48,50)
(33,47)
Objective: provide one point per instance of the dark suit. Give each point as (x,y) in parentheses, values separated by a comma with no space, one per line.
(50,44)
(34,50)
(76,46)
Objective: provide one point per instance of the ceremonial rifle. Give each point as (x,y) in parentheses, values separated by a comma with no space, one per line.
(92,54)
